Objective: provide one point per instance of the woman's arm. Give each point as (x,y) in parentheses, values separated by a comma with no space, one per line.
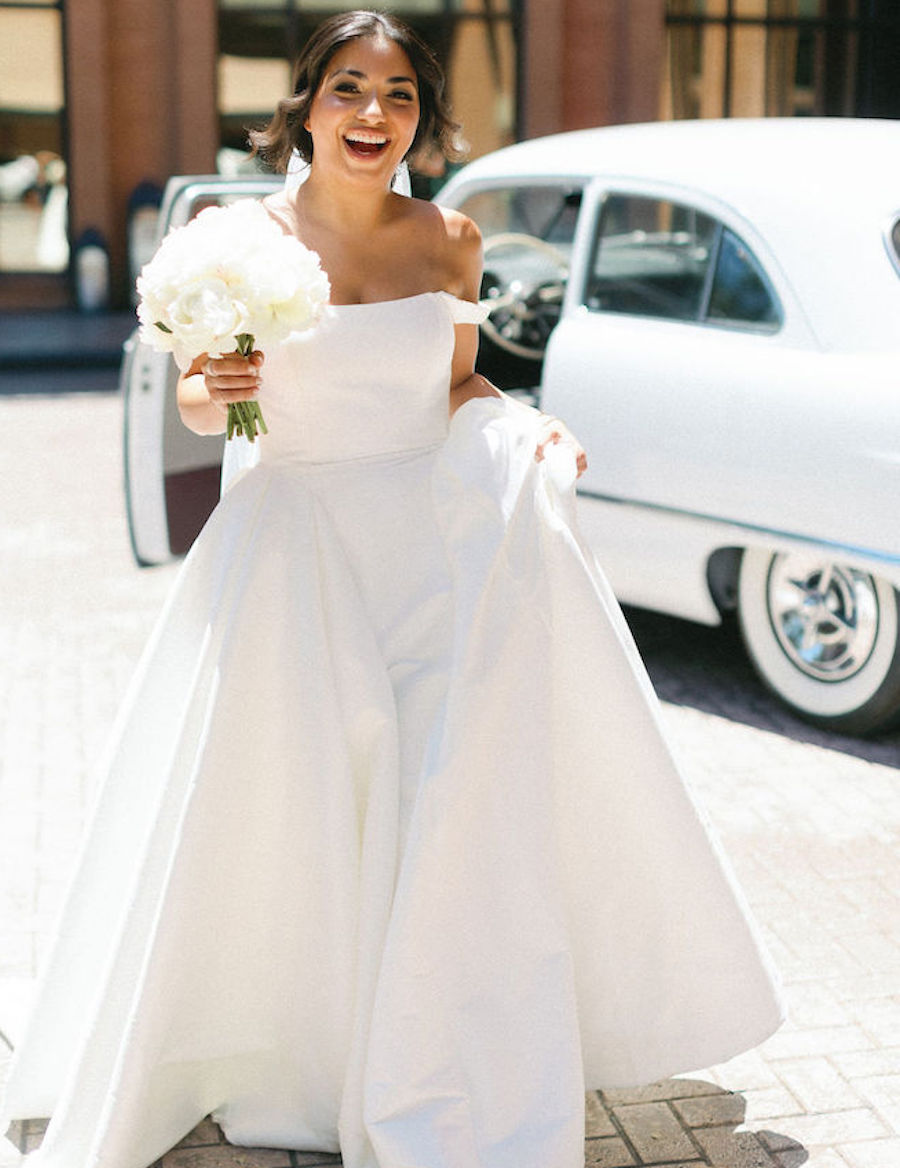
(465,383)
(211,383)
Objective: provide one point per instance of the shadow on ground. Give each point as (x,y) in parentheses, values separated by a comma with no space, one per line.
(707,669)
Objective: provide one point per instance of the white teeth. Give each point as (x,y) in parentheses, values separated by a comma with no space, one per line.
(367,139)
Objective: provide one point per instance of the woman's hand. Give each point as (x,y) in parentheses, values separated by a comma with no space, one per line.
(211,383)
(551,432)
(232,378)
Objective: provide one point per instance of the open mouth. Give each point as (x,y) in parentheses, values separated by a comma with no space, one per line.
(366,145)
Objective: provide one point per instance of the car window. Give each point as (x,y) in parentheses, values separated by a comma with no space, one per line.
(651,258)
(740,292)
(545,211)
(655,257)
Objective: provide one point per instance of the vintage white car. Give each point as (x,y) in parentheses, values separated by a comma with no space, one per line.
(722,302)
(714,308)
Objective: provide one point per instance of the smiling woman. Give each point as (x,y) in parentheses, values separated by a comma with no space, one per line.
(394,690)
(433,123)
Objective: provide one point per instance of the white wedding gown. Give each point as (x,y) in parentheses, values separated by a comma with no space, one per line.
(390,854)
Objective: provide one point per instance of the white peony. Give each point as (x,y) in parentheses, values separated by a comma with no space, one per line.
(230,279)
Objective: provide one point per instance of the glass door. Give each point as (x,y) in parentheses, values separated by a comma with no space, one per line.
(33,187)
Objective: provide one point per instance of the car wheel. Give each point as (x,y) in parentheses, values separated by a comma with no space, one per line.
(824,636)
(523,285)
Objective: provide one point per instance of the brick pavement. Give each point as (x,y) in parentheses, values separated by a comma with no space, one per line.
(811,828)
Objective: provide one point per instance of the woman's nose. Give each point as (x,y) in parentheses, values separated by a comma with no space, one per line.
(370,106)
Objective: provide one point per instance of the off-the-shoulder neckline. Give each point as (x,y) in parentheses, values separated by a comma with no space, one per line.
(404,299)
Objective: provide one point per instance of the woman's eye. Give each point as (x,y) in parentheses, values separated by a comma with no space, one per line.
(403,94)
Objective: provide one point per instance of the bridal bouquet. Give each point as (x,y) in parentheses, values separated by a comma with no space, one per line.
(229,280)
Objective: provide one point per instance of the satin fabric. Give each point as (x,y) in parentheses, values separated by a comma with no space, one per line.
(390,856)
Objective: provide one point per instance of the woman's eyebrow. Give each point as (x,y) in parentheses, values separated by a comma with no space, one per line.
(364,77)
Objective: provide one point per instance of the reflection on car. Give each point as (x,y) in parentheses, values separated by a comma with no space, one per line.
(711,306)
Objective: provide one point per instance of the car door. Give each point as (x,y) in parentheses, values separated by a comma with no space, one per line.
(684,363)
(172,476)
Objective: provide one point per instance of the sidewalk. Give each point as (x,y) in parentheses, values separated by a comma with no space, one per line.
(812,831)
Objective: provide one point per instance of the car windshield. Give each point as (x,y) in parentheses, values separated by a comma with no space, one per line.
(547,212)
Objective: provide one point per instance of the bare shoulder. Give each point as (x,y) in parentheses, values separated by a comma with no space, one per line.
(443,224)
(461,230)
(463,253)
(452,244)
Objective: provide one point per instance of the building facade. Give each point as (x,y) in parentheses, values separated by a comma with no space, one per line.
(102,100)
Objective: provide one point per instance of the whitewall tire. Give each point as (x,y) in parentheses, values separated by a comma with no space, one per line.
(824,636)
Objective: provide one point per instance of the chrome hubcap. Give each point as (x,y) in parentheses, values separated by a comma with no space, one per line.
(824,615)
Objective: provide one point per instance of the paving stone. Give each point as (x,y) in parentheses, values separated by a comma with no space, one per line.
(883,1092)
(596,1117)
(204,1133)
(609,1152)
(27,1134)
(10,1156)
(871,985)
(769,1103)
(726,1149)
(820,1041)
(226,1156)
(746,1072)
(816,1084)
(835,1127)
(675,1088)
(655,1133)
(872,1153)
(711,1110)
(862,1063)
(776,1141)
(817,1158)
(880,1017)
(814,1005)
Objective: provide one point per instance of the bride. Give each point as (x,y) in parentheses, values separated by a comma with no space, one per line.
(390,857)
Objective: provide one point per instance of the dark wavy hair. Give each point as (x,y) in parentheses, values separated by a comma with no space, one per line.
(286,131)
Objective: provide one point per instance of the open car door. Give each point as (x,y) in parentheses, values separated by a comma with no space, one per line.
(172,475)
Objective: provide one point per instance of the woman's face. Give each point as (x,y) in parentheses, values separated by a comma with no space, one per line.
(364,115)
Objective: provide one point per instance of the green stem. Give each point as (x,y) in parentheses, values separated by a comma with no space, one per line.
(245,417)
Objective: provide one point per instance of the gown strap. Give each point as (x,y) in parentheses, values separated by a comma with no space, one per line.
(464,311)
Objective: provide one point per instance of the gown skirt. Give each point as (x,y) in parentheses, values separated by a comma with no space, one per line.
(389,854)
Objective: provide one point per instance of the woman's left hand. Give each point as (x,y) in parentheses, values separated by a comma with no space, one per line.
(552,431)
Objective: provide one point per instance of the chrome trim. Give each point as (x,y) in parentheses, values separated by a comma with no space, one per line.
(180,187)
(887,238)
(849,550)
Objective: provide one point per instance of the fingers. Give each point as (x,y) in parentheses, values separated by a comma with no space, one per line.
(233,378)
(554,432)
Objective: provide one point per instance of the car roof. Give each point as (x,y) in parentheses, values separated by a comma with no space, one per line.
(735,159)
(820,192)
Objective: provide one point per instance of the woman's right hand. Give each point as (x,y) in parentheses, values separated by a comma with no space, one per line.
(232,378)
(211,384)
